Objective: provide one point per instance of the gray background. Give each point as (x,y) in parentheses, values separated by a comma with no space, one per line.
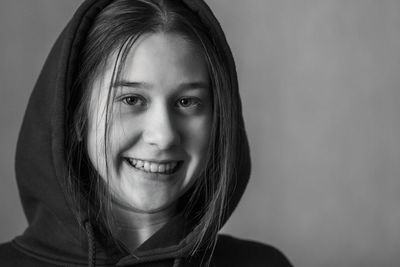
(320,87)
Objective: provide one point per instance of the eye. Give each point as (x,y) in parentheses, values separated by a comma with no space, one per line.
(133,101)
(188,102)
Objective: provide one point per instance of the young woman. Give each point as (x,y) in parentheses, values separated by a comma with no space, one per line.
(133,149)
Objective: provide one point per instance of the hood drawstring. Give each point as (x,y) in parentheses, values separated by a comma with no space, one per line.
(91,244)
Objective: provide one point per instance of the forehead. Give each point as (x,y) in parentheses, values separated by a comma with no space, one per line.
(164,58)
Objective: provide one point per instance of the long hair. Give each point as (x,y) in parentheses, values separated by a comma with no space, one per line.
(116,28)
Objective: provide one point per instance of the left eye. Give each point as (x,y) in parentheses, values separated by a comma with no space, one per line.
(187,102)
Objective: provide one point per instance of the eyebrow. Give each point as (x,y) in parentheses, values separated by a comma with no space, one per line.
(144,85)
(139,85)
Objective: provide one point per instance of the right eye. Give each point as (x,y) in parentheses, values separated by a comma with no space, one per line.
(133,100)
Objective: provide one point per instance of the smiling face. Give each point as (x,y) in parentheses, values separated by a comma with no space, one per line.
(159,125)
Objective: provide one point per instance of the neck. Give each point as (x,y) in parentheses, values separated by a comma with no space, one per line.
(134,227)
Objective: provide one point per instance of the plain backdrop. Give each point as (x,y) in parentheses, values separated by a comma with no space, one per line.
(320,87)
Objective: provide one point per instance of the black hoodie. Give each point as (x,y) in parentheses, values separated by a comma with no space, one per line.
(53,237)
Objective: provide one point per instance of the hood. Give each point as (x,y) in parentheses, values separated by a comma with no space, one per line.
(53,233)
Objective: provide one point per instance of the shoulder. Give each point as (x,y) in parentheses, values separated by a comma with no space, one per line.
(11,256)
(240,252)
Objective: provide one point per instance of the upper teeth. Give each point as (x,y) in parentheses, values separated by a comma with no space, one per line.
(149,166)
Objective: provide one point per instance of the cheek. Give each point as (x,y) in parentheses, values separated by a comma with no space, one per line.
(98,133)
(196,136)
(195,142)
(124,133)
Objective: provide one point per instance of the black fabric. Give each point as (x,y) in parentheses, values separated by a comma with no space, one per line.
(237,252)
(54,236)
(229,252)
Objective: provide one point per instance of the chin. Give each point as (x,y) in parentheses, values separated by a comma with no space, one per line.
(150,203)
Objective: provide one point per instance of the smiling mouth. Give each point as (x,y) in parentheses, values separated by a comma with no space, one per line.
(155,167)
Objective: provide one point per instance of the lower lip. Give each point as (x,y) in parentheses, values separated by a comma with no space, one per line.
(152,176)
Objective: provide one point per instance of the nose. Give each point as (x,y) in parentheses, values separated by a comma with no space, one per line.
(160,129)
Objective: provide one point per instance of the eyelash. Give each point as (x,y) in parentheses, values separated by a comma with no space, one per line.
(133,100)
